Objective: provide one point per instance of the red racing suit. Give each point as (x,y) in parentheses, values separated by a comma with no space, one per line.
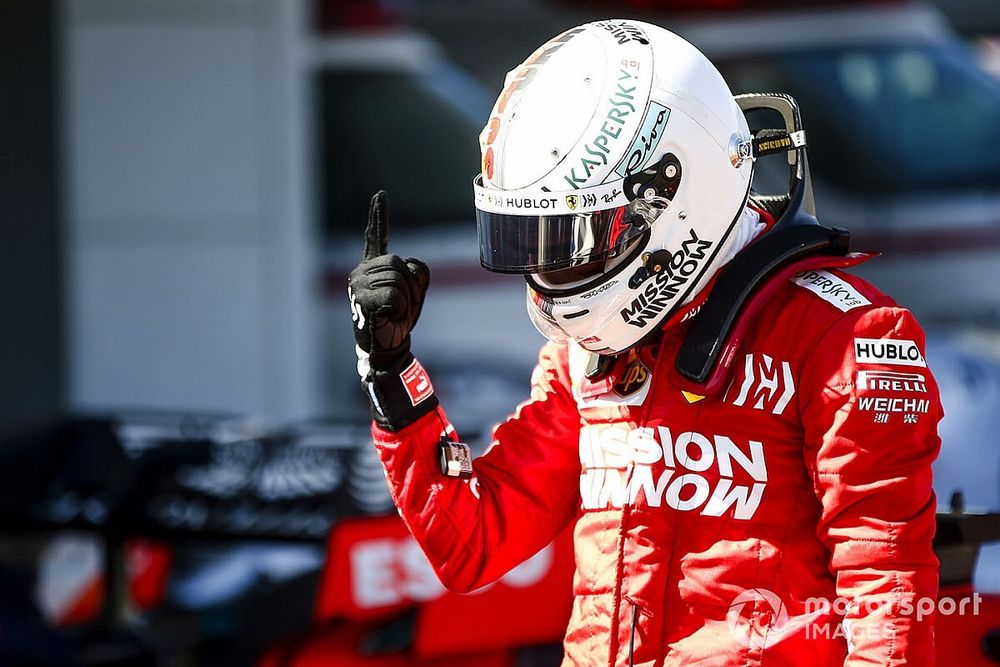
(786,520)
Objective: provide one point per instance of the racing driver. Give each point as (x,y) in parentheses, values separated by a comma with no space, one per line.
(740,433)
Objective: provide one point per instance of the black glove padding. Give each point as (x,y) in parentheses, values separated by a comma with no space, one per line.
(387,294)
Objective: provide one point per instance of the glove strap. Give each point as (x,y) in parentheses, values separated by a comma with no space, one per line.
(400,393)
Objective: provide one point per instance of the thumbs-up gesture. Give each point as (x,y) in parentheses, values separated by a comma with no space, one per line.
(387,294)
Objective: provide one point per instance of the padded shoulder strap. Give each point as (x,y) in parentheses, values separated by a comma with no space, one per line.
(699,352)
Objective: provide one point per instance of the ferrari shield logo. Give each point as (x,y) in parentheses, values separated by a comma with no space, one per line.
(572,201)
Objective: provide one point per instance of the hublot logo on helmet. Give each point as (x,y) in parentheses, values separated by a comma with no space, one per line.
(668,282)
(530,202)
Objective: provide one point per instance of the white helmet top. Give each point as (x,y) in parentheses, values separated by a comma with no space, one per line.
(616,172)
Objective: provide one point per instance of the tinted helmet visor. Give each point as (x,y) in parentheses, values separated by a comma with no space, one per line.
(511,243)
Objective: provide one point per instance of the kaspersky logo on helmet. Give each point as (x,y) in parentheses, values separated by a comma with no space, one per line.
(621,104)
(660,292)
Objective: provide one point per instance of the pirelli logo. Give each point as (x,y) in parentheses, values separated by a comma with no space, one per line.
(892,381)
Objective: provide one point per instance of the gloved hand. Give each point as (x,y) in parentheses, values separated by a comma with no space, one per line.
(387,294)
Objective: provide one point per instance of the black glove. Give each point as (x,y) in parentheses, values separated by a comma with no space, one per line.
(387,293)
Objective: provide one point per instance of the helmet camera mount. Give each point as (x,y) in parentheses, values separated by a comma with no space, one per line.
(657,185)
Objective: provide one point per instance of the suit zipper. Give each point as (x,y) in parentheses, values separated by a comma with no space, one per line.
(631,636)
(655,371)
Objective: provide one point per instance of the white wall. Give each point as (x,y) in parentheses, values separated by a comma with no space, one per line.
(189,267)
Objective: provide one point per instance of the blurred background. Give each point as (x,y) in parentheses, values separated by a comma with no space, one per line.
(186,476)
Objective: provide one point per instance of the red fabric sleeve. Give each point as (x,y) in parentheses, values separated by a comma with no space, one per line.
(870,463)
(523,493)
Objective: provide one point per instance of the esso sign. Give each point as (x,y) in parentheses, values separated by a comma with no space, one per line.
(375,567)
(391,571)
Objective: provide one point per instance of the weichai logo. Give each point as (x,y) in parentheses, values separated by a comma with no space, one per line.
(694,472)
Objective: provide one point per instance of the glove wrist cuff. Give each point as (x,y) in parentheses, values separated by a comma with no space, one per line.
(400,393)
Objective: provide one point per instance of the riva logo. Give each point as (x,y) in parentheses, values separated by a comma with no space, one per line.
(618,462)
(668,283)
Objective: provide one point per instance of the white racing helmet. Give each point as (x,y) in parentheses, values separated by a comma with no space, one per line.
(616,171)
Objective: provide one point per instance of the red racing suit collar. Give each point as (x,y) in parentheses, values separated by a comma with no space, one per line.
(676,324)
